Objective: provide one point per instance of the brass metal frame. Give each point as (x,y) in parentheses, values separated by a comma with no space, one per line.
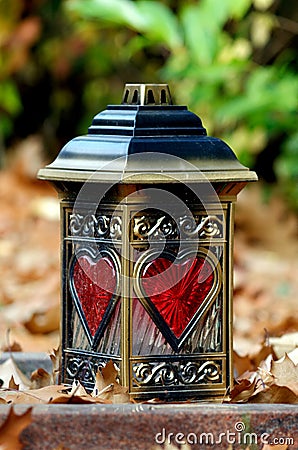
(148,142)
(213,369)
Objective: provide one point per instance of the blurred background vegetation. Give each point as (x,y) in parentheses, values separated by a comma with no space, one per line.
(233,62)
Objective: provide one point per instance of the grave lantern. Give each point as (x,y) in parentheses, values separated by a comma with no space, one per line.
(147,204)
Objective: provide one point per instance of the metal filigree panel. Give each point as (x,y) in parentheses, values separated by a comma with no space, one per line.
(154,226)
(178,373)
(106,226)
(83,368)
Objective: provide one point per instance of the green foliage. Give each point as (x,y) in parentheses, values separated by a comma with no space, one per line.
(211,65)
(151,18)
(10,105)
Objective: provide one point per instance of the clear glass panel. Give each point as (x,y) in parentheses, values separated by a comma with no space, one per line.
(79,339)
(148,340)
(110,342)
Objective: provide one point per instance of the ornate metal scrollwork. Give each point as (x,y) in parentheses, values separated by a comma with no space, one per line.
(147,226)
(91,225)
(83,369)
(101,227)
(116,227)
(207,227)
(81,225)
(177,373)
(150,226)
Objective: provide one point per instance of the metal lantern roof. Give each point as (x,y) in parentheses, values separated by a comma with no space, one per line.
(146,139)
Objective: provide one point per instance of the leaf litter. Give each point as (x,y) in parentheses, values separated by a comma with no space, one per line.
(40,388)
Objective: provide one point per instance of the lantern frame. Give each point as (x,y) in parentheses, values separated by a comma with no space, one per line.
(110,218)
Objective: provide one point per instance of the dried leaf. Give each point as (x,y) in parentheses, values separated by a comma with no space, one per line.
(77,389)
(78,395)
(35,396)
(242,391)
(14,347)
(49,395)
(44,321)
(11,429)
(242,363)
(252,362)
(286,373)
(110,373)
(55,358)
(10,369)
(13,385)
(40,378)
(264,352)
(78,400)
(108,387)
(293,355)
(285,343)
(275,394)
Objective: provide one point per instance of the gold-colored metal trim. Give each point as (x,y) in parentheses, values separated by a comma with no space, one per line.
(146,94)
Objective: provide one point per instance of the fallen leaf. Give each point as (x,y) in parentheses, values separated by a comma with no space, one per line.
(40,378)
(264,352)
(12,427)
(14,347)
(275,394)
(241,363)
(10,369)
(243,390)
(286,373)
(252,362)
(35,396)
(55,358)
(293,355)
(78,400)
(77,389)
(78,395)
(13,385)
(51,395)
(44,321)
(284,344)
(108,387)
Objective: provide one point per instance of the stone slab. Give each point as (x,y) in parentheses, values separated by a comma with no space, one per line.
(148,427)
(29,361)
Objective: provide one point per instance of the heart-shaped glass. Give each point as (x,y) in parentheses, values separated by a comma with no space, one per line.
(94,286)
(176,291)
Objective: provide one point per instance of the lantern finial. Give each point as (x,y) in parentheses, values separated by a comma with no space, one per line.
(147,94)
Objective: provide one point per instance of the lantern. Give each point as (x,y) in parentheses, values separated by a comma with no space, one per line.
(147,204)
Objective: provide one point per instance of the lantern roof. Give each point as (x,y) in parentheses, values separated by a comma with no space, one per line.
(146,139)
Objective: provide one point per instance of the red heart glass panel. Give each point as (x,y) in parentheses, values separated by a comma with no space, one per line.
(95,284)
(177,290)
